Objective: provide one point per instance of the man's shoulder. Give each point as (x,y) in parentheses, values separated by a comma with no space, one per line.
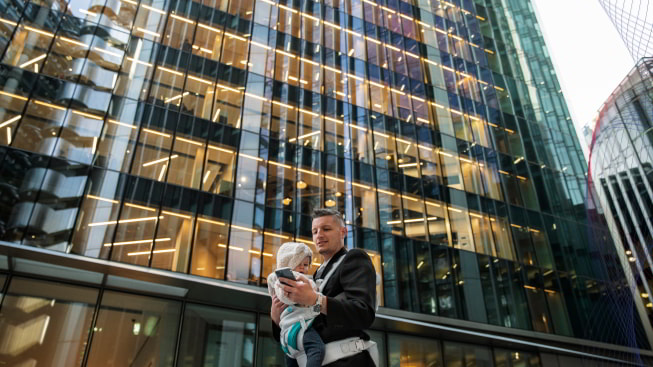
(357,255)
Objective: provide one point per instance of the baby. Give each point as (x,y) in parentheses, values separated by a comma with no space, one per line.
(296,333)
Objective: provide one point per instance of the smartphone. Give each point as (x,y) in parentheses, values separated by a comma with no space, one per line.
(285,273)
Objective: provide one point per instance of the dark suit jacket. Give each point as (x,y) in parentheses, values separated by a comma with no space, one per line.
(351,298)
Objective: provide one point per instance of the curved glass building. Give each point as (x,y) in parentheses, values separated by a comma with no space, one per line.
(155,154)
(621,167)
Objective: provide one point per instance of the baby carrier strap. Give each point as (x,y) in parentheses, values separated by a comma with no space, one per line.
(326,278)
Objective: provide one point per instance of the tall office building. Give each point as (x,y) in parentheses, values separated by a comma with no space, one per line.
(155,155)
(621,167)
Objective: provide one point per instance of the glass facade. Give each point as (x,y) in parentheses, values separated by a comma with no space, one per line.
(197,137)
(50,323)
(633,24)
(621,167)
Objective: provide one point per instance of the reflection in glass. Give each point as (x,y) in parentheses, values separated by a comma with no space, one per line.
(217,337)
(268,351)
(412,351)
(45,323)
(134,331)
(468,355)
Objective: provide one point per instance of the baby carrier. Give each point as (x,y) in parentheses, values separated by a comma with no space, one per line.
(292,342)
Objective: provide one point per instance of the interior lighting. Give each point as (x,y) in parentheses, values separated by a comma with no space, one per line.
(149,252)
(209,28)
(405,165)
(330,203)
(275,235)
(286,201)
(54,106)
(221,149)
(211,221)
(176,214)
(182,18)
(89,115)
(232,247)
(163,171)
(30,62)
(140,207)
(301,185)
(145,31)
(251,157)
(136,242)
(361,186)
(176,97)
(13,119)
(160,160)
(285,53)
(36,30)
(8,22)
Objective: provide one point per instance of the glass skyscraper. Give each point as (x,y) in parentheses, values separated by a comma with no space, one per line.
(155,154)
(622,173)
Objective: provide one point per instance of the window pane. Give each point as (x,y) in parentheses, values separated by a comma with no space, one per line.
(269,353)
(134,331)
(209,248)
(411,351)
(468,355)
(216,337)
(46,323)
(511,358)
(97,220)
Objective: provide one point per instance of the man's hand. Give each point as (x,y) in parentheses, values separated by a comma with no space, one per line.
(299,291)
(276,309)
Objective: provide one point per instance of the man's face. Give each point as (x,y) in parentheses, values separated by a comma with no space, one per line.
(328,235)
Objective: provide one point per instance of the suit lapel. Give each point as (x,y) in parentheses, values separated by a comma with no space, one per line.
(328,267)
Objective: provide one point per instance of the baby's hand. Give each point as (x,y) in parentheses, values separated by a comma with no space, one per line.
(302,279)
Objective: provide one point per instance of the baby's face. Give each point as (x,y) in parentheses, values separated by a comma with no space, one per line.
(304,265)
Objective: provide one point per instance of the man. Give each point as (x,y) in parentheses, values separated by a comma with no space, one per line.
(348,300)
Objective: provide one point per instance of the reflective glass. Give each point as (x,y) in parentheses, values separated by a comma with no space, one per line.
(214,336)
(406,350)
(37,322)
(140,330)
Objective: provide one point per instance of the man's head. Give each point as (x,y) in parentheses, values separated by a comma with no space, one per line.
(329,232)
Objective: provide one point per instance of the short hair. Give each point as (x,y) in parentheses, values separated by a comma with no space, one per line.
(324,212)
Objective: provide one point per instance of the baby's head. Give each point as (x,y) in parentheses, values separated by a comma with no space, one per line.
(303,266)
(294,255)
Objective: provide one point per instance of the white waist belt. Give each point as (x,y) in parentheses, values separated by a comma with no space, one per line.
(344,348)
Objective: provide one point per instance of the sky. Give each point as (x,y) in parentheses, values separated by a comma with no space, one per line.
(587,52)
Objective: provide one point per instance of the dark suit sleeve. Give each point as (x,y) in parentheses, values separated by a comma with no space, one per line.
(354,308)
(276,331)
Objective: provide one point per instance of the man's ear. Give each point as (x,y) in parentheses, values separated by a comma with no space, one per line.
(343,232)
